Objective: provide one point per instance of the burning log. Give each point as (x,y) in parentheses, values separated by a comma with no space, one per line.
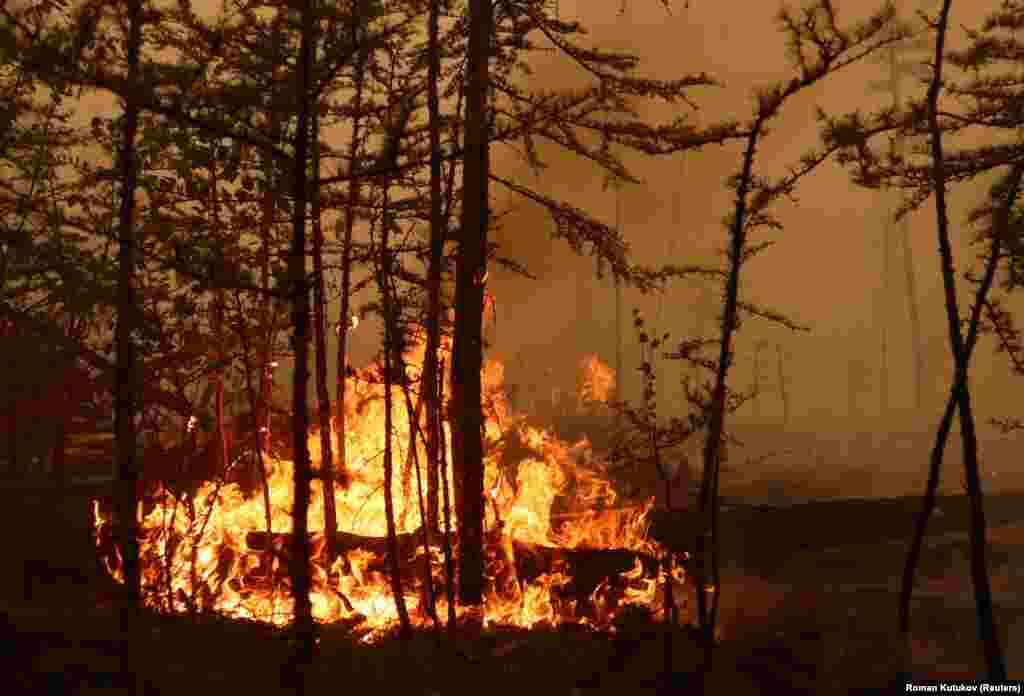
(541,567)
(281,542)
(586,569)
(279,545)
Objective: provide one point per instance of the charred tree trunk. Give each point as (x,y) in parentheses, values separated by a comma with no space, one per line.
(299,291)
(411,459)
(469,295)
(446,539)
(128,469)
(961,350)
(344,320)
(319,317)
(437,232)
(391,343)
(268,210)
(221,449)
(713,443)
(415,434)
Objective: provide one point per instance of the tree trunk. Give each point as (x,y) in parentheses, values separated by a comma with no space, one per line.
(783,390)
(268,210)
(299,291)
(391,340)
(713,443)
(411,458)
(958,347)
(415,433)
(469,295)
(222,453)
(319,316)
(446,517)
(128,469)
(344,320)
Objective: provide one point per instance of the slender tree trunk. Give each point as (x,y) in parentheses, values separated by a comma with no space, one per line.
(415,418)
(299,291)
(218,331)
(344,320)
(469,295)
(713,444)
(667,558)
(979,568)
(415,433)
(391,341)
(446,539)
(783,390)
(961,349)
(128,468)
(319,314)
(254,406)
(268,211)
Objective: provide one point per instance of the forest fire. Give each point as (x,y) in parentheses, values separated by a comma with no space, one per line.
(560,545)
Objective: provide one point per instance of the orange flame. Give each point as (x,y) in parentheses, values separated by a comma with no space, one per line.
(199,552)
(598,380)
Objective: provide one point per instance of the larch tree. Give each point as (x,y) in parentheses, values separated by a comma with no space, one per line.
(467,350)
(983,97)
(817,46)
(128,466)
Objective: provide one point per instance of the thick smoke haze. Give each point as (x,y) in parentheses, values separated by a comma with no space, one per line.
(825,271)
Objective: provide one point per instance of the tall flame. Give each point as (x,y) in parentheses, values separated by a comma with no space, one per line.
(210,551)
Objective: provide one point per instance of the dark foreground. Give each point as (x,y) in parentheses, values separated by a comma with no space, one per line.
(808,606)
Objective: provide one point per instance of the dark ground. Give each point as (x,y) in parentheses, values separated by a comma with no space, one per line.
(808,606)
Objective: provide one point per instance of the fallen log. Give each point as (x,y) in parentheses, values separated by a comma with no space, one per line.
(586,568)
(281,543)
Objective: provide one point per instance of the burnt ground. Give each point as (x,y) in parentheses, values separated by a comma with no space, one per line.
(808,606)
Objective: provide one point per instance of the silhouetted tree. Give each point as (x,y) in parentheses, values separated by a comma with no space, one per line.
(817,47)
(128,466)
(467,350)
(989,102)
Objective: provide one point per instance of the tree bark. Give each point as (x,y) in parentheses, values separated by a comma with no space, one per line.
(467,356)
(961,390)
(713,443)
(268,208)
(430,360)
(390,369)
(222,449)
(128,468)
(346,264)
(415,434)
(319,316)
(299,291)
(446,516)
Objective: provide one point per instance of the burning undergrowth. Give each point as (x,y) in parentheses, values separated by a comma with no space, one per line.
(561,546)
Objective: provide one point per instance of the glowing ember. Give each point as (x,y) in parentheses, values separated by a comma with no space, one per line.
(212,551)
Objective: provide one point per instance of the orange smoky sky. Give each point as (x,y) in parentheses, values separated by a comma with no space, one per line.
(824,272)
